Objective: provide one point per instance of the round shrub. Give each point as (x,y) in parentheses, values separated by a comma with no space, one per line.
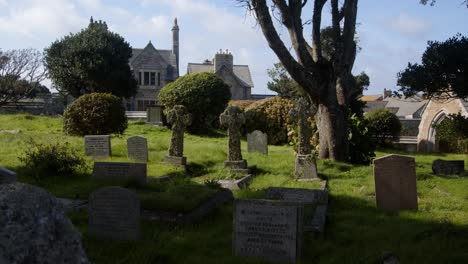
(385,125)
(270,115)
(203,94)
(95,114)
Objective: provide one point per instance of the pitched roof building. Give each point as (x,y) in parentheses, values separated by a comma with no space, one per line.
(238,77)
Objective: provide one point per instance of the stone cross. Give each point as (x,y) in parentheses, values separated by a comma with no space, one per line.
(179,118)
(233,118)
(301,112)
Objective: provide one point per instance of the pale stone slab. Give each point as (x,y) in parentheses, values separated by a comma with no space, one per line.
(395,183)
(120,171)
(137,147)
(98,146)
(268,229)
(448,167)
(7,176)
(114,213)
(306,168)
(257,141)
(236,184)
(154,115)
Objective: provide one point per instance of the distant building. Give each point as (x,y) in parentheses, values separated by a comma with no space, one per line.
(238,77)
(153,69)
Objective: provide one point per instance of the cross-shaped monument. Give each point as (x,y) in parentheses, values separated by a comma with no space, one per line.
(233,118)
(179,118)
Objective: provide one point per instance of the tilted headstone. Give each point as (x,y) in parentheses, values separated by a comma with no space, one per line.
(154,115)
(233,119)
(257,141)
(395,183)
(120,172)
(137,147)
(114,213)
(448,167)
(268,229)
(98,146)
(7,176)
(179,118)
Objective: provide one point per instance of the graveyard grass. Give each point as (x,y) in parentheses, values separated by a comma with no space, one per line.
(356,232)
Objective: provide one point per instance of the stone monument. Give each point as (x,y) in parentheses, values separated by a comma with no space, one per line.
(448,167)
(114,213)
(233,119)
(257,141)
(154,115)
(306,166)
(395,183)
(179,118)
(120,172)
(98,146)
(137,147)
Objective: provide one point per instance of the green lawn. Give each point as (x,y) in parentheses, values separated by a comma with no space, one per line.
(356,232)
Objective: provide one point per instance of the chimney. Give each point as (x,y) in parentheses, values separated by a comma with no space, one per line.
(223,59)
(387,93)
(175,43)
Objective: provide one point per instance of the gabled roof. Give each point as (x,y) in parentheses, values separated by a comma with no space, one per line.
(166,55)
(242,72)
(412,106)
(371,98)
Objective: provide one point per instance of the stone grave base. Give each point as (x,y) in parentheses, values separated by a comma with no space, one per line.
(236,184)
(239,166)
(306,168)
(448,167)
(179,161)
(193,216)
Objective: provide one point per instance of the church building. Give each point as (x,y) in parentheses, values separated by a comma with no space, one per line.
(153,69)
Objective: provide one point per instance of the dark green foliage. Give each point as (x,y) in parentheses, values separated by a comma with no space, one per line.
(51,160)
(361,143)
(282,83)
(213,184)
(444,69)
(384,124)
(270,115)
(453,132)
(93,60)
(95,114)
(203,94)
(361,82)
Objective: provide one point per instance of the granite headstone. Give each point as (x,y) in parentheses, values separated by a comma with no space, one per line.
(257,141)
(137,148)
(120,171)
(154,115)
(98,146)
(448,167)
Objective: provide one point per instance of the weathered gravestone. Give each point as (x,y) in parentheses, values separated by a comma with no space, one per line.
(114,213)
(7,176)
(120,172)
(306,166)
(395,183)
(179,118)
(257,141)
(297,195)
(233,118)
(137,147)
(35,229)
(448,167)
(268,229)
(98,146)
(154,115)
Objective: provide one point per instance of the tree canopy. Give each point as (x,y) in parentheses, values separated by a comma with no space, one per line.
(93,60)
(443,72)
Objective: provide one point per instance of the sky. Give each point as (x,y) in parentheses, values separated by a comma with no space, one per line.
(391,33)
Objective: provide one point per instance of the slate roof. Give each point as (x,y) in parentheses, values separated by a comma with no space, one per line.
(412,106)
(241,71)
(167,55)
(372,105)
(371,98)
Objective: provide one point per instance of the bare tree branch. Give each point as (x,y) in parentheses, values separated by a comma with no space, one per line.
(316,27)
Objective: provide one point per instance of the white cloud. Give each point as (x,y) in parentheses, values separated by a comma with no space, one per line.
(3,3)
(409,25)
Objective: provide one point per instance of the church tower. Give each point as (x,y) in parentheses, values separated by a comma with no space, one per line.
(175,43)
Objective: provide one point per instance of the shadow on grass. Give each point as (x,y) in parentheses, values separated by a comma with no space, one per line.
(197,169)
(209,133)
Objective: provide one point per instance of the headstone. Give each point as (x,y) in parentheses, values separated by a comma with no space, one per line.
(154,115)
(395,183)
(233,119)
(268,229)
(257,141)
(7,176)
(98,146)
(179,118)
(114,213)
(448,167)
(35,229)
(137,148)
(297,195)
(306,168)
(120,171)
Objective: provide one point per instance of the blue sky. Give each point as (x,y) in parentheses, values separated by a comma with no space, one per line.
(391,33)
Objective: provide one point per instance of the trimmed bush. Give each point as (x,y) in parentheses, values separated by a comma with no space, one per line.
(270,115)
(384,124)
(361,145)
(203,94)
(95,114)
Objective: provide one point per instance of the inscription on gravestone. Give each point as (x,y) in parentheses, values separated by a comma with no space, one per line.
(120,171)
(257,142)
(137,148)
(395,183)
(114,213)
(297,195)
(98,146)
(268,229)
(154,115)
